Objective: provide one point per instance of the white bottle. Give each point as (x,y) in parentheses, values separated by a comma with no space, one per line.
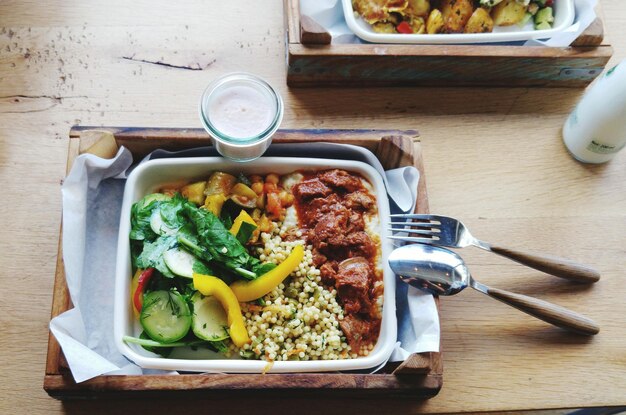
(596,130)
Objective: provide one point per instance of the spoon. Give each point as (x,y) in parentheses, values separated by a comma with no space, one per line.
(442,272)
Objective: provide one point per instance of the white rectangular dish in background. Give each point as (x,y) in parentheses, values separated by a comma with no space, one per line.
(564,15)
(149,176)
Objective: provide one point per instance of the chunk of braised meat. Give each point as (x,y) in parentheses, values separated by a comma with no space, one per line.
(341,179)
(360,200)
(328,271)
(353,281)
(318,207)
(311,188)
(359,331)
(356,222)
(360,244)
(329,226)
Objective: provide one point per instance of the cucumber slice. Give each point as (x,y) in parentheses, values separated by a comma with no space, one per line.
(165,316)
(209,320)
(180,262)
(158,226)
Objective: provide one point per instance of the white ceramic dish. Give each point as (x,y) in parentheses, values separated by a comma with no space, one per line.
(147,177)
(564,14)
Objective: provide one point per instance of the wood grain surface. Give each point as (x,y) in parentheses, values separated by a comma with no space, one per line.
(494,158)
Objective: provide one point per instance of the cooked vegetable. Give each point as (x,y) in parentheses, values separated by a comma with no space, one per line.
(165,316)
(214,203)
(194,192)
(404,27)
(456,13)
(220,183)
(434,24)
(479,22)
(209,320)
(243,227)
(251,290)
(508,13)
(544,19)
(418,25)
(213,286)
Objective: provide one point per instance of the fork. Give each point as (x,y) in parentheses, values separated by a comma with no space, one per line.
(450,232)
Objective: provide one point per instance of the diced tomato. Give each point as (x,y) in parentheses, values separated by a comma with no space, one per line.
(405,28)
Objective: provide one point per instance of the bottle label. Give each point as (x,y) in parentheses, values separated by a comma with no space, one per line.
(600,148)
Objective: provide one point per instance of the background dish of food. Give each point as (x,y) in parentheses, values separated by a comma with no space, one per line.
(151,175)
(564,14)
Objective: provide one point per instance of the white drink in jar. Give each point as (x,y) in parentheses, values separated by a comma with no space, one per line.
(596,130)
(241,112)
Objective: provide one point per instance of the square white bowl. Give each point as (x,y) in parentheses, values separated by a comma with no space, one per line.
(564,15)
(149,176)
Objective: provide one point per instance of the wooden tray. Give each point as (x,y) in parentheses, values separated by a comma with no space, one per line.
(313,61)
(420,376)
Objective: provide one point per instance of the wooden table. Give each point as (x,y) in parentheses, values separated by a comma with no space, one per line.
(493,157)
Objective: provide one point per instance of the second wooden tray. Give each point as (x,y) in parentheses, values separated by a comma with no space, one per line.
(420,376)
(312,60)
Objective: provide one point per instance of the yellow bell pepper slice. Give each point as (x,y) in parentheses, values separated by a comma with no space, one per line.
(239,220)
(251,290)
(209,285)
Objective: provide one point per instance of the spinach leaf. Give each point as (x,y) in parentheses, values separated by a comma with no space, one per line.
(200,267)
(188,239)
(152,255)
(172,211)
(140,214)
(221,244)
(261,269)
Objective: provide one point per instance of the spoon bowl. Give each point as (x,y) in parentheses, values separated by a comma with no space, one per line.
(440,271)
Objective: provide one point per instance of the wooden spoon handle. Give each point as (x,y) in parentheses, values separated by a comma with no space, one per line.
(559,267)
(550,313)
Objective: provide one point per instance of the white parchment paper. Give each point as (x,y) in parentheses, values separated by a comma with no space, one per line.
(329,14)
(92,197)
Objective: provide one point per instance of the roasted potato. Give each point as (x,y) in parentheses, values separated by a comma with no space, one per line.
(479,22)
(456,13)
(418,25)
(508,13)
(434,24)
(418,8)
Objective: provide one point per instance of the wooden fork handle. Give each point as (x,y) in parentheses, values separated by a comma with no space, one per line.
(559,267)
(548,312)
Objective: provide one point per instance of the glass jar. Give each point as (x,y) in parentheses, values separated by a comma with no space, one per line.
(241,112)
